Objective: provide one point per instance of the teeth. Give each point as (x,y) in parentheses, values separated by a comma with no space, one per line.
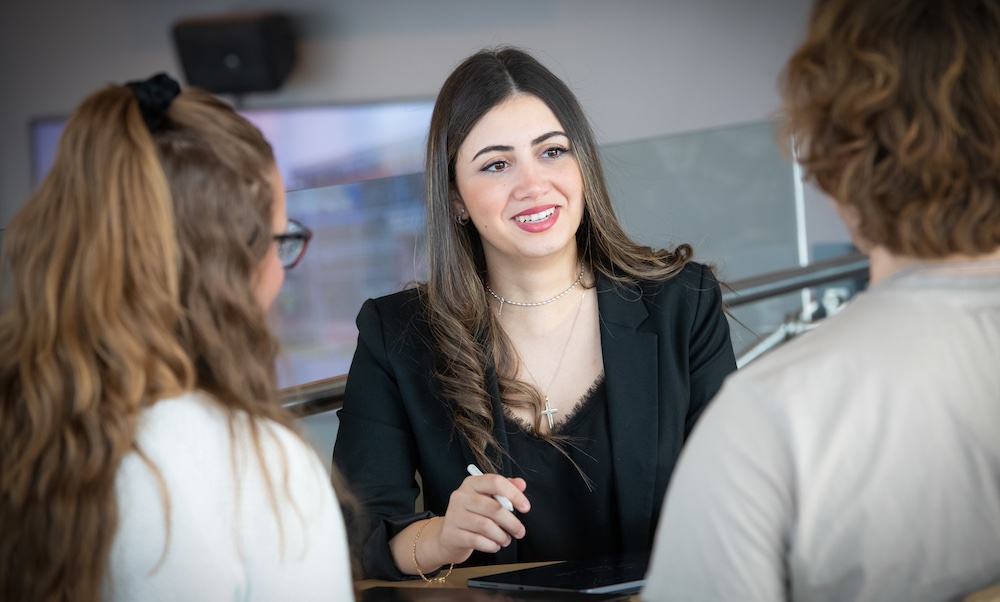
(536,217)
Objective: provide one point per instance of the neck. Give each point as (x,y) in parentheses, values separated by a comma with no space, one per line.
(884,263)
(531,280)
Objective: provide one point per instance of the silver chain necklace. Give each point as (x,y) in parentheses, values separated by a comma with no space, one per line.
(546,302)
(549,410)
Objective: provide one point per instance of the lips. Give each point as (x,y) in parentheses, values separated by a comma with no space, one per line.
(534,218)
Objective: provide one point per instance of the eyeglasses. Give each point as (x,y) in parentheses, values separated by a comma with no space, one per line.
(292,244)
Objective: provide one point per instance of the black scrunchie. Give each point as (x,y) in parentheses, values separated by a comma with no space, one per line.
(154,95)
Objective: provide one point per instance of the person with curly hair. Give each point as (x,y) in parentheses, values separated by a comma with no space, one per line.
(146,455)
(861,461)
(546,347)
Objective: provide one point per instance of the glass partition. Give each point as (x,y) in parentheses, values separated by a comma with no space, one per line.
(368,241)
(729,193)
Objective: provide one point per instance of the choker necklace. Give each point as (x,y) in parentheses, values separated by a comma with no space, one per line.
(966,266)
(546,302)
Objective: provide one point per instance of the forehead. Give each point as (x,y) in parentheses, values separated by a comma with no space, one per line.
(517,120)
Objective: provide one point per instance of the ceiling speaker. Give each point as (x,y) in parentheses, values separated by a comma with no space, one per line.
(235,54)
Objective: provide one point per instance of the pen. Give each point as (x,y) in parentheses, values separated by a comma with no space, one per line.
(474,471)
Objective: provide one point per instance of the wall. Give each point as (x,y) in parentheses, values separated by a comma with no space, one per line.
(642,68)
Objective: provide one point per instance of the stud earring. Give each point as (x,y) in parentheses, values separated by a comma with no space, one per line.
(459,218)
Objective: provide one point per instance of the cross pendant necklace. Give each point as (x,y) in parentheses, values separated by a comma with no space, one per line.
(548,412)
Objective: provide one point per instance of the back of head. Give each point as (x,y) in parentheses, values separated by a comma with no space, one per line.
(895,110)
(130,266)
(218,167)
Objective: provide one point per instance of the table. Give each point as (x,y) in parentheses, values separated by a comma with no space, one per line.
(457,581)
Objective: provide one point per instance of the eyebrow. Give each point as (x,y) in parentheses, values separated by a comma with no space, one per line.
(504,148)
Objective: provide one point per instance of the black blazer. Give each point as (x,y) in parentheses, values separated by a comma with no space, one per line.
(666,351)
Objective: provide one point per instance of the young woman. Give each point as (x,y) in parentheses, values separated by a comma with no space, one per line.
(146,456)
(547,348)
(862,461)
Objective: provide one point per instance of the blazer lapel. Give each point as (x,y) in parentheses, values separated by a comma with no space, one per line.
(630,368)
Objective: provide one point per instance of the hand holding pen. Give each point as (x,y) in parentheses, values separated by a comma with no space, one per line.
(481,516)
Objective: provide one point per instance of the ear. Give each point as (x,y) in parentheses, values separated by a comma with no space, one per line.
(457,204)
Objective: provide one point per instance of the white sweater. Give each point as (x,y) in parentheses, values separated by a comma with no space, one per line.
(226,541)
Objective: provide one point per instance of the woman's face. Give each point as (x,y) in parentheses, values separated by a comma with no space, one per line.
(520,183)
(271,275)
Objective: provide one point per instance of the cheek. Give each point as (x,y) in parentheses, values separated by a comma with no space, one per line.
(482,196)
(269,280)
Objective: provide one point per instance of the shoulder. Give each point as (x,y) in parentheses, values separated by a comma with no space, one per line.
(393,311)
(204,501)
(691,293)
(405,301)
(693,280)
(189,421)
(191,436)
(394,322)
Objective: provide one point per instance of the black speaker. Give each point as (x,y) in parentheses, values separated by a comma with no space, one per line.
(235,54)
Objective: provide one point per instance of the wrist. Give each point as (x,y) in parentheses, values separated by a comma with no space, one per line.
(429,539)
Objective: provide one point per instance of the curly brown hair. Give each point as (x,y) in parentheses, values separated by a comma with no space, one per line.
(894,109)
(132,272)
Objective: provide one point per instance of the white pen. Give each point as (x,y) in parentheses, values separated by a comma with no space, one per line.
(474,471)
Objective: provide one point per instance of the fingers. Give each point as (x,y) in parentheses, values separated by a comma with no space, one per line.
(477,521)
(520,502)
(493,484)
(469,529)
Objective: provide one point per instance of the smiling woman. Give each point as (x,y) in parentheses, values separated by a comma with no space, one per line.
(567,359)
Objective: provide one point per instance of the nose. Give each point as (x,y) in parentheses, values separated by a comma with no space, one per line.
(531,182)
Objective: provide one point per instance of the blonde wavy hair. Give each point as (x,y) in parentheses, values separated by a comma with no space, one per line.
(894,107)
(131,272)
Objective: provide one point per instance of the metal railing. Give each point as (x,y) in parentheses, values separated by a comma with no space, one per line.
(327,395)
(765,286)
(315,397)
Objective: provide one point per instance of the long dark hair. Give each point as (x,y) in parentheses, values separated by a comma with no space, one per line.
(467,336)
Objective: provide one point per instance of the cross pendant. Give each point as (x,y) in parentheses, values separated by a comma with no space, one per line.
(548,412)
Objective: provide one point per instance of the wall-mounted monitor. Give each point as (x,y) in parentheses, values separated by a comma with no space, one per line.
(314,146)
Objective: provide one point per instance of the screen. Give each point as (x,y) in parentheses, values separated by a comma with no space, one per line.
(615,573)
(313,146)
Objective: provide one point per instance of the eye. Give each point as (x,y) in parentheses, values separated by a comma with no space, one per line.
(554,152)
(496,166)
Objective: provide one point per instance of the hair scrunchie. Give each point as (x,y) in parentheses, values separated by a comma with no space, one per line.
(154,96)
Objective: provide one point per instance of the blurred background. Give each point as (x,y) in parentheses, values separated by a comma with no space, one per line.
(681,93)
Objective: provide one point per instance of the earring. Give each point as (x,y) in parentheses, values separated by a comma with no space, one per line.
(458,218)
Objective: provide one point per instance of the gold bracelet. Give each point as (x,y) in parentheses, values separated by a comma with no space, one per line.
(417,566)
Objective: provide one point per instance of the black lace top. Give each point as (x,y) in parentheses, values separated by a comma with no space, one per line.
(571,517)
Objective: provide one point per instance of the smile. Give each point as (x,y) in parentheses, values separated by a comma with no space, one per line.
(534,218)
